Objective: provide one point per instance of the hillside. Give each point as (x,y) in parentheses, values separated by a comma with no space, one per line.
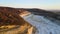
(12,23)
(9,16)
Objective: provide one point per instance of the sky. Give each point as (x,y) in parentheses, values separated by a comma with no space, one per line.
(43,4)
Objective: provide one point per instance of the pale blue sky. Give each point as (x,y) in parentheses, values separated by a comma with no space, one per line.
(44,4)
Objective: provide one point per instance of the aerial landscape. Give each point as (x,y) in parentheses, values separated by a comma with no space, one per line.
(15,18)
(29,17)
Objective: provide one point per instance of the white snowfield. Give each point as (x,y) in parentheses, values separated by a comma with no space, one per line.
(43,25)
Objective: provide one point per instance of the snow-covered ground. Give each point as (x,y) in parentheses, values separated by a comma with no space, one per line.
(43,25)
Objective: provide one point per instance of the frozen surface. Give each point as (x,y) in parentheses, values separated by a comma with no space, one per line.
(43,25)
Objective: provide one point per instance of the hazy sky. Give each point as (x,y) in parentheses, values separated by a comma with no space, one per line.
(44,4)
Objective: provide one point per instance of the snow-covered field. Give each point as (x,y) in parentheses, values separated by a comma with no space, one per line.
(43,25)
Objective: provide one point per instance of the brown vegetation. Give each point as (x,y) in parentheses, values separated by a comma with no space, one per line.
(10,16)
